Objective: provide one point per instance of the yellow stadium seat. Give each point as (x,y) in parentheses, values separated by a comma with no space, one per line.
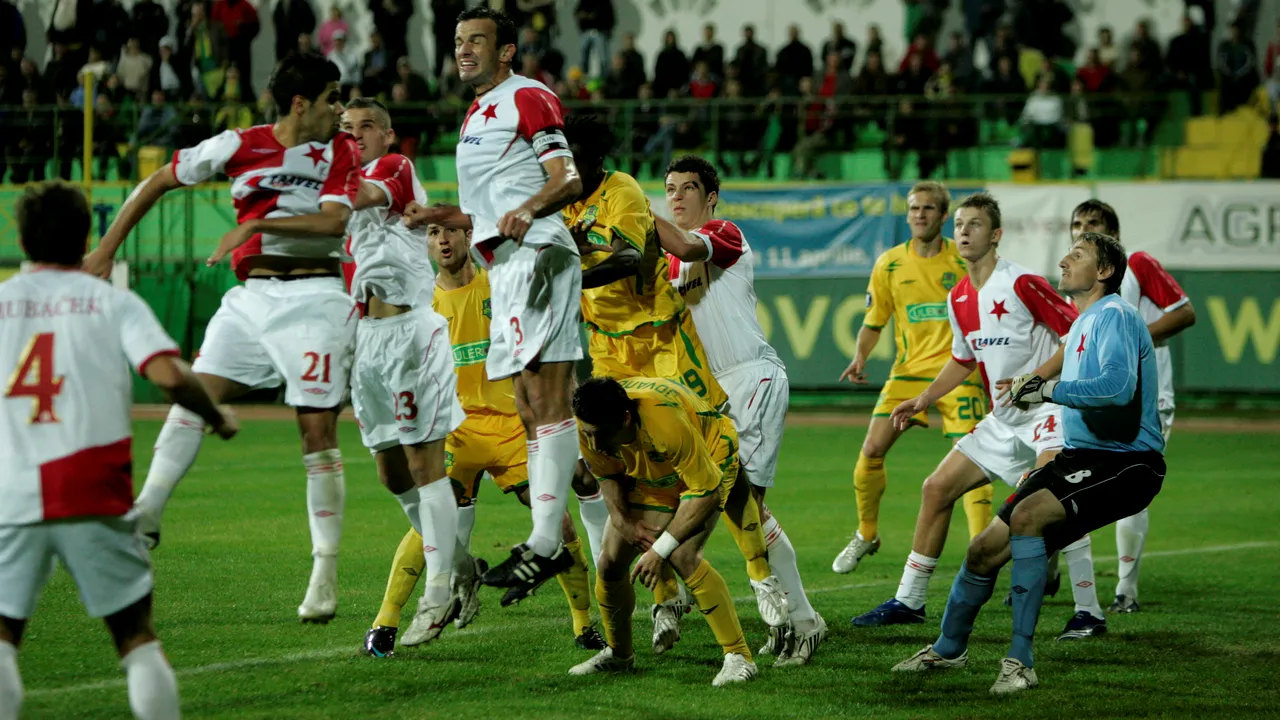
(150,159)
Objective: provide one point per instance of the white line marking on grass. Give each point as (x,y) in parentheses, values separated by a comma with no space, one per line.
(349,650)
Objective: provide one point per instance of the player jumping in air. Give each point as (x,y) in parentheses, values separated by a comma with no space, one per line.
(292,322)
(909,283)
(711,266)
(1111,467)
(515,172)
(668,462)
(67,344)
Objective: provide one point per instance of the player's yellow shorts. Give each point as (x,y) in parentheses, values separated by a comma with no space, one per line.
(670,350)
(643,496)
(961,409)
(495,443)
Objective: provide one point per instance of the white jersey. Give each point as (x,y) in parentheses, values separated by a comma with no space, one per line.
(508,133)
(1149,287)
(391,260)
(67,343)
(1011,326)
(269,180)
(721,293)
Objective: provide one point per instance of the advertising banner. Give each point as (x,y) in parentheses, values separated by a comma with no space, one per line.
(1037,223)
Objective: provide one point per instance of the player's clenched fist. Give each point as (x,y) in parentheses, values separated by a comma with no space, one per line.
(416,215)
(902,414)
(229,426)
(98,264)
(515,224)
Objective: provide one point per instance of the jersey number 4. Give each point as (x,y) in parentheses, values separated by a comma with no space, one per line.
(34,378)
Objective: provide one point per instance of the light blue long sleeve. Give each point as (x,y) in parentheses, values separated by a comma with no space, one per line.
(1108,373)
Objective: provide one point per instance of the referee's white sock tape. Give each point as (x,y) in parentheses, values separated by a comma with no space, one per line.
(153,688)
(175,452)
(10,682)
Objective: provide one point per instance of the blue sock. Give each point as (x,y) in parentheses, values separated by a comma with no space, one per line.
(969,593)
(1030,571)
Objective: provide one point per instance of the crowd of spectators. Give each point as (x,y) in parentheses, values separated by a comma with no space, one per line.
(167,80)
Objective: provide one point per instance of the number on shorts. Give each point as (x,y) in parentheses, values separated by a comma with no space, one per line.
(693,381)
(969,408)
(515,327)
(1050,425)
(405,409)
(35,378)
(316,360)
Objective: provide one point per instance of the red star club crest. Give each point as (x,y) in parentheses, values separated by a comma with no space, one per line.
(1080,349)
(315,154)
(490,112)
(999,310)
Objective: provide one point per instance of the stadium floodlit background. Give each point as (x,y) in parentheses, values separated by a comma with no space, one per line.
(1164,108)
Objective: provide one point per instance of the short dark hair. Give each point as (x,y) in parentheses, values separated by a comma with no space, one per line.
(1111,254)
(301,73)
(53,223)
(369,103)
(506,33)
(592,136)
(1110,220)
(603,402)
(693,164)
(983,201)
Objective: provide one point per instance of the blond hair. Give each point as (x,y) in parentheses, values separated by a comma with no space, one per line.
(935,189)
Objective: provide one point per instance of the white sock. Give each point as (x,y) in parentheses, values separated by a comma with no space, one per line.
(438,511)
(466,523)
(409,503)
(914,585)
(595,515)
(782,560)
(1079,555)
(550,477)
(175,451)
(10,682)
(153,688)
(1131,536)
(326,495)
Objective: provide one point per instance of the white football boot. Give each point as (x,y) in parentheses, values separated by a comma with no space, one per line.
(737,668)
(429,621)
(803,643)
(666,625)
(466,589)
(604,661)
(778,643)
(771,601)
(927,660)
(852,554)
(321,602)
(1014,677)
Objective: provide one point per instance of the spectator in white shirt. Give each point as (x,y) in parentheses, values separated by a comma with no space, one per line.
(1042,117)
(347,60)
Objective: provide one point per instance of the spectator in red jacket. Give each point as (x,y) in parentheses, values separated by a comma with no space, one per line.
(702,84)
(1093,74)
(923,47)
(240,21)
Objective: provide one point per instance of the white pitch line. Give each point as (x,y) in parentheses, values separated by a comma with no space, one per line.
(334,652)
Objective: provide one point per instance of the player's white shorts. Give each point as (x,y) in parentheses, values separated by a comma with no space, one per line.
(536,296)
(1006,452)
(104,555)
(759,393)
(403,388)
(299,332)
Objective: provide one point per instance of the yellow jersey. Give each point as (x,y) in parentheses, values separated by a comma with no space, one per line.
(913,291)
(681,442)
(620,209)
(468,313)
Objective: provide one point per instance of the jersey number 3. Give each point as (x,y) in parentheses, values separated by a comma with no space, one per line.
(34,378)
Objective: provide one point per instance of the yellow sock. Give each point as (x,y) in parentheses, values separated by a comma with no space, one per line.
(667,587)
(750,539)
(712,598)
(405,570)
(977,507)
(868,488)
(617,600)
(577,588)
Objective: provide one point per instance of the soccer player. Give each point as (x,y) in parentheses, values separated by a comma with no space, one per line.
(1167,311)
(1111,467)
(909,283)
(515,172)
(491,440)
(711,266)
(292,322)
(403,388)
(1005,321)
(67,344)
(667,462)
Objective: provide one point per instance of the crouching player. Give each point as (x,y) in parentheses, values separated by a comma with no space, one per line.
(667,463)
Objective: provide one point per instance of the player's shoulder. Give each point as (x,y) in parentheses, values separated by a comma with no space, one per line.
(961,291)
(891,259)
(619,182)
(724,230)
(257,136)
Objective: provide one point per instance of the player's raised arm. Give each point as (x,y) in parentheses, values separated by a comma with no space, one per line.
(684,245)
(417,215)
(138,204)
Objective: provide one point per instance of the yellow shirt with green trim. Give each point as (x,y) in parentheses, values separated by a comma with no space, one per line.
(620,209)
(682,443)
(913,291)
(468,312)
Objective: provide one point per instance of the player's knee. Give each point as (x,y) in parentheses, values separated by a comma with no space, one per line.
(1025,520)
(982,558)
(874,449)
(132,626)
(685,559)
(939,491)
(318,437)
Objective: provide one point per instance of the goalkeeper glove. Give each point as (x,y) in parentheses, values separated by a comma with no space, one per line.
(1032,389)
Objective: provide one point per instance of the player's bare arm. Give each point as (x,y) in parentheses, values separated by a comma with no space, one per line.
(868,338)
(369,196)
(623,262)
(331,221)
(691,516)
(634,532)
(563,186)
(952,375)
(138,204)
(684,245)
(181,386)
(1172,323)
(446,216)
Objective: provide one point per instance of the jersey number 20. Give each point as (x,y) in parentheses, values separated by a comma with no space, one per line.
(35,379)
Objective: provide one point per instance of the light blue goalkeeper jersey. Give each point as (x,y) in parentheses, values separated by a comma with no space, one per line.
(1110,381)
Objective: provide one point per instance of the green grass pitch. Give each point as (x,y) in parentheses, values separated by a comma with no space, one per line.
(235,561)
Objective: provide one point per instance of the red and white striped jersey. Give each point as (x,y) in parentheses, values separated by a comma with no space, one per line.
(269,180)
(67,342)
(508,133)
(1150,288)
(391,260)
(721,293)
(1010,327)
